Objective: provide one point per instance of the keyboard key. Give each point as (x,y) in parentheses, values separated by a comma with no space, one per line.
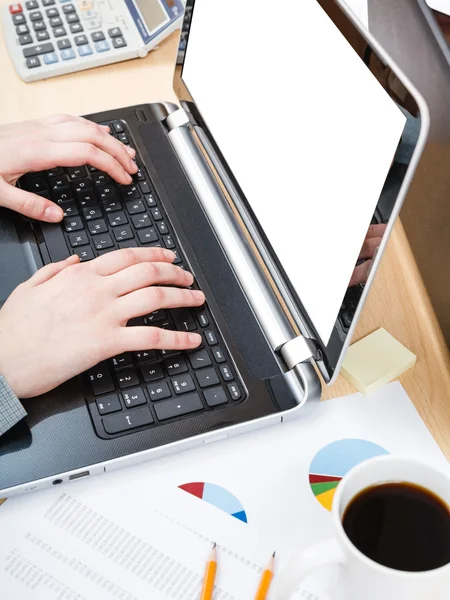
(59,32)
(183,384)
(146,356)
(111,205)
(117,219)
(135,208)
(73,224)
(123,233)
(92,213)
(64,44)
(55,22)
(158,391)
(234,390)
(57,180)
(156,214)
(96,227)
(72,18)
(103,241)
(22,29)
(122,360)
(19,19)
(178,406)
(70,208)
(76,173)
(78,239)
(36,50)
(25,39)
(141,221)
(102,46)
(152,372)
(150,199)
(218,355)
(106,191)
(147,235)
(211,338)
(226,373)
(85,50)
(85,254)
(68,8)
(80,40)
(31,5)
(134,397)
(108,404)
(163,229)
(184,321)
(86,199)
(52,13)
(130,192)
(145,188)
(200,359)
(175,366)
(51,58)
(101,380)
(128,420)
(42,36)
(98,36)
(155,317)
(38,184)
(36,16)
(119,42)
(117,125)
(140,176)
(128,378)
(215,396)
(76,28)
(168,242)
(207,377)
(102,179)
(114,32)
(203,320)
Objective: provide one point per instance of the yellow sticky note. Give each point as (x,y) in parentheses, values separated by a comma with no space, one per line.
(376,360)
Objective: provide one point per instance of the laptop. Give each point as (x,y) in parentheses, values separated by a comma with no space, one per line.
(277,182)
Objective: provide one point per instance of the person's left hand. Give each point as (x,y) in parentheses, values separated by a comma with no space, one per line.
(58,141)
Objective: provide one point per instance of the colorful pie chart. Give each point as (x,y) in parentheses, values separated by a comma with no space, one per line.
(218,497)
(334,461)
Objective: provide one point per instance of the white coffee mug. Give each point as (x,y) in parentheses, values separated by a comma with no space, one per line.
(361,578)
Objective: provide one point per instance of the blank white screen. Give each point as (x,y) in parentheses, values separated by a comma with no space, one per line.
(306,129)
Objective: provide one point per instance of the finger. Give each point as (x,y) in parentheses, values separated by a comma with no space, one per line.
(145,301)
(74,154)
(361,273)
(92,133)
(148,274)
(148,338)
(51,270)
(113,262)
(62,118)
(370,247)
(29,204)
(376,231)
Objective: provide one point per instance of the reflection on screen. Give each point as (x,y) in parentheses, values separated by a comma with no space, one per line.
(307,131)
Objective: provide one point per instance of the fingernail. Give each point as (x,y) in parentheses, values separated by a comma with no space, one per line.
(129,178)
(53,213)
(131,151)
(169,254)
(194,338)
(199,295)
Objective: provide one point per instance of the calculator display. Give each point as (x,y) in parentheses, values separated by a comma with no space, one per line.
(153,16)
(153,13)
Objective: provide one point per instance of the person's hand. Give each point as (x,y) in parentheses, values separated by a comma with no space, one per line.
(59,141)
(70,316)
(368,251)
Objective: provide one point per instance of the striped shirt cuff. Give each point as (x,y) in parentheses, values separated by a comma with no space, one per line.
(11,410)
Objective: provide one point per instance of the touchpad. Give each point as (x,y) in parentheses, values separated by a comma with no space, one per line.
(13,266)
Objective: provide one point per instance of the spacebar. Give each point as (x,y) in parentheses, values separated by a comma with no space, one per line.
(55,241)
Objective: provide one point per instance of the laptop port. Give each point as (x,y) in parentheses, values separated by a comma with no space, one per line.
(79,475)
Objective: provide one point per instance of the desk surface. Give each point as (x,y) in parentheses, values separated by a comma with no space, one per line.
(398,300)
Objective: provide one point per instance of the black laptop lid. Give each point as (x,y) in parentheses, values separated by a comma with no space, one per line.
(316,133)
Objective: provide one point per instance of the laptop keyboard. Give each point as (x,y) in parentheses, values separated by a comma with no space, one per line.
(139,390)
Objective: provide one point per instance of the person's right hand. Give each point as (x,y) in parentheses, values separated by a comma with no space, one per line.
(58,141)
(70,316)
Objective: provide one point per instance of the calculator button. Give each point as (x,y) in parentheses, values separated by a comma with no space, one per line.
(48,3)
(39,25)
(76,27)
(85,4)
(33,62)
(59,32)
(72,18)
(55,22)
(19,19)
(25,39)
(22,30)
(41,36)
(67,54)
(119,42)
(36,50)
(36,16)
(64,44)
(85,50)
(68,8)
(51,58)
(32,5)
(98,36)
(52,12)
(16,8)
(114,32)
(81,40)
(102,46)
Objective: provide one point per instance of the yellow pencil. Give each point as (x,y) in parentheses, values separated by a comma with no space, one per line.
(210,576)
(266,580)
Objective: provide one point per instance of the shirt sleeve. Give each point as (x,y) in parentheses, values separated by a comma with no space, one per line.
(11,410)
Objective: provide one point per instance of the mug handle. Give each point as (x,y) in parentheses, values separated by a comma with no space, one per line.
(303,565)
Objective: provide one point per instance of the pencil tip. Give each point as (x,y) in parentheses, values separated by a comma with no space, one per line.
(273,555)
(214,547)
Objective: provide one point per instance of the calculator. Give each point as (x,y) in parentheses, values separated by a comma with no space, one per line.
(46,38)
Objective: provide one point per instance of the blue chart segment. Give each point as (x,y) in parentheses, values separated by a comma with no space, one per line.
(218,497)
(334,461)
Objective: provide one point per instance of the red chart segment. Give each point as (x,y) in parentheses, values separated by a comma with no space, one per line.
(218,497)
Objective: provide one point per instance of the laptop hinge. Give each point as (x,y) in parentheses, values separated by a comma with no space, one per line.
(176,119)
(296,351)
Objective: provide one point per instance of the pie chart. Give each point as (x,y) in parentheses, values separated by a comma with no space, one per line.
(218,497)
(334,461)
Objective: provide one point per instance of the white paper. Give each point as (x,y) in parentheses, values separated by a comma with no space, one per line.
(361,10)
(442,6)
(308,132)
(267,471)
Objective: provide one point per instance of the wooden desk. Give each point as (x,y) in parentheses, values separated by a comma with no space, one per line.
(398,300)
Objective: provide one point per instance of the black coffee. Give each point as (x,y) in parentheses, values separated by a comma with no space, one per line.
(400,525)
